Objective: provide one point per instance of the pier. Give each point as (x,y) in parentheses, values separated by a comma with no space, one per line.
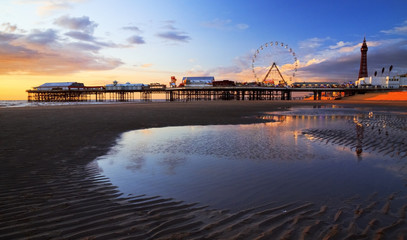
(191,94)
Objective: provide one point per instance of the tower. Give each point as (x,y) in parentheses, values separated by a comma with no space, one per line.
(363,60)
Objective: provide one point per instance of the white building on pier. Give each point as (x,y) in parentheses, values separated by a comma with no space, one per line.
(198,81)
(126,86)
(399,81)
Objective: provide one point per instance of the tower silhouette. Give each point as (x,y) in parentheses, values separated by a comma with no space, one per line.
(363,60)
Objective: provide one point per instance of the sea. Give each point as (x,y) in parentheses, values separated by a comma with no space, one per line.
(25,103)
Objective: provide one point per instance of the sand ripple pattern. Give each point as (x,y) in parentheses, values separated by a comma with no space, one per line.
(382,134)
(75,202)
(74,207)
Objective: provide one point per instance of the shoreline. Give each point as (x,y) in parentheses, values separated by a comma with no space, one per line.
(48,189)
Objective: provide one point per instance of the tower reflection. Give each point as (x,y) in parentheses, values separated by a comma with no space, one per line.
(359,137)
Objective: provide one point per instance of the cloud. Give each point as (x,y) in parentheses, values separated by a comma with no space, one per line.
(345,67)
(224,24)
(349,49)
(174,36)
(146,65)
(339,69)
(172,33)
(313,43)
(84,46)
(390,53)
(82,29)
(400,30)
(44,52)
(136,40)
(8,51)
(8,27)
(240,70)
(80,36)
(50,61)
(233,73)
(217,23)
(169,25)
(242,26)
(42,37)
(6,37)
(48,7)
(340,44)
(78,24)
(132,28)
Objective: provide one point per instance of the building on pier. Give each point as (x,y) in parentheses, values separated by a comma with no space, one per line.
(198,81)
(59,86)
(126,86)
(383,82)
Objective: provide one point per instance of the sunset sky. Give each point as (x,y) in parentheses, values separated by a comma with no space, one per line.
(145,41)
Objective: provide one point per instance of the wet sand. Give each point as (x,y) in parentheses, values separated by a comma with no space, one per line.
(48,190)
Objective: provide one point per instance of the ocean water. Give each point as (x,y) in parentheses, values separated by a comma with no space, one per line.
(14,103)
(319,155)
(25,103)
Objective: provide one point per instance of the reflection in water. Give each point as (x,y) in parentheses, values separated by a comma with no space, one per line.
(359,137)
(136,163)
(304,154)
(171,163)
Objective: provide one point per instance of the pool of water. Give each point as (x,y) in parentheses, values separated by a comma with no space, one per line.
(321,155)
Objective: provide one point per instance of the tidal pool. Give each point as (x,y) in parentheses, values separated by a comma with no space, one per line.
(320,155)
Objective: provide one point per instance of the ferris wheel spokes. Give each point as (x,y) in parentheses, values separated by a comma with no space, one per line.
(283,67)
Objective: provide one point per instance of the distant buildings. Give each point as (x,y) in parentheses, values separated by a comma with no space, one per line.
(383,82)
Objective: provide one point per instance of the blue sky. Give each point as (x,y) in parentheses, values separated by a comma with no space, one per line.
(98,41)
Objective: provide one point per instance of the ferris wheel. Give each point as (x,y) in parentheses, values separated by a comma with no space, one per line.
(274,63)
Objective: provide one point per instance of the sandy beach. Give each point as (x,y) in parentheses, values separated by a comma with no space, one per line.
(48,190)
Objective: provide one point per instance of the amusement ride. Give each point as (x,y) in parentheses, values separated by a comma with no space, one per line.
(274,64)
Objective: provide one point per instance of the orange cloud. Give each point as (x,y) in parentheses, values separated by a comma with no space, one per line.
(45,52)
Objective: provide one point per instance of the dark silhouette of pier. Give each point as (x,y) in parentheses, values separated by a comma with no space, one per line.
(241,93)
